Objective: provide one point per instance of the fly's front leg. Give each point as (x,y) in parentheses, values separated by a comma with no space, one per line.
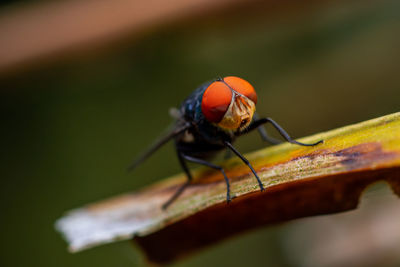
(263,133)
(231,147)
(256,124)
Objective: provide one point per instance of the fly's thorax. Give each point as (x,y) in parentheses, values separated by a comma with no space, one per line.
(239,114)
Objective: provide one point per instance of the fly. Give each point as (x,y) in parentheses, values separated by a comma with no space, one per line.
(209,121)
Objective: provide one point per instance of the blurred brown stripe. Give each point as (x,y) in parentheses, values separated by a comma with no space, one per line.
(30,32)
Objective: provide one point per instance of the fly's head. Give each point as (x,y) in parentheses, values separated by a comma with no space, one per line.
(229,103)
(239,114)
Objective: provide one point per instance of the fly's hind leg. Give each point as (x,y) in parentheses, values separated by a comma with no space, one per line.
(216,167)
(183,186)
(182,157)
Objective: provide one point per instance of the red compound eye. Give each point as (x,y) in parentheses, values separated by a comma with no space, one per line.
(242,86)
(216,100)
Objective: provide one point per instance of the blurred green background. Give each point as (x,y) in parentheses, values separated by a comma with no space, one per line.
(71,127)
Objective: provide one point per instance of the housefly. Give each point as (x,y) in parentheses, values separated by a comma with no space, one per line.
(209,121)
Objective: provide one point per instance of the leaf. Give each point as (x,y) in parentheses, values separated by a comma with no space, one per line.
(299,182)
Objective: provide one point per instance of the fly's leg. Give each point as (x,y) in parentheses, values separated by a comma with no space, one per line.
(182,188)
(265,137)
(211,165)
(263,133)
(182,159)
(283,133)
(231,147)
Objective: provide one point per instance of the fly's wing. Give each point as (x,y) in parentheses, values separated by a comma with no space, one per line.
(171,132)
